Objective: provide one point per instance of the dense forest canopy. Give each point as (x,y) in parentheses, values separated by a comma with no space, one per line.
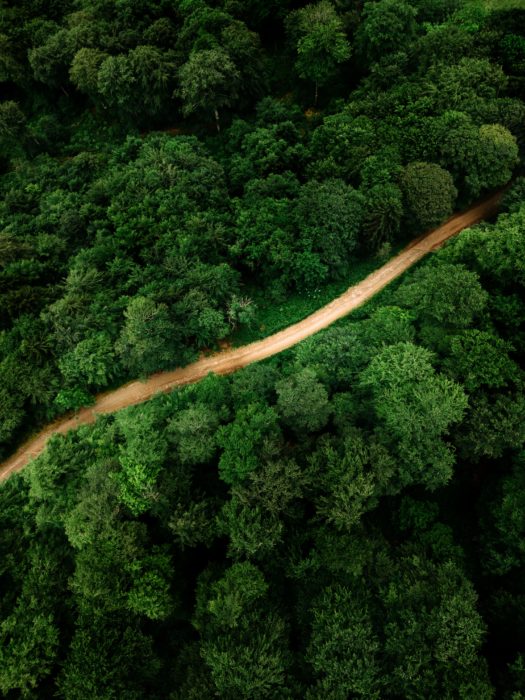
(346,520)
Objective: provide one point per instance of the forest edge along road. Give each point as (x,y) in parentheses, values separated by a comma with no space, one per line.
(228,361)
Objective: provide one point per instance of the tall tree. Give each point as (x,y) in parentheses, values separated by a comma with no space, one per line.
(209,81)
(321,42)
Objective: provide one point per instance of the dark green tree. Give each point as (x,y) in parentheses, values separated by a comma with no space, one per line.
(429,194)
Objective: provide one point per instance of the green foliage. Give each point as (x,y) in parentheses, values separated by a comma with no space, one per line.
(244,651)
(429,194)
(140,458)
(387,26)
(329,216)
(303,402)
(234,594)
(340,522)
(243,440)
(146,341)
(496,156)
(384,209)
(84,71)
(150,593)
(72,399)
(108,661)
(27,658)
(343,646)
(496,253)
(352,475)
(209,82)
(91,363)
(29,634)
(478,358)
(504,523)
(321,41)
(12,125)
(414,407)
(193,431)
(448,296)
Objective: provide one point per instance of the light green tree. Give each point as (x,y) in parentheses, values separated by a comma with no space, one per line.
(321,42)
(209,81)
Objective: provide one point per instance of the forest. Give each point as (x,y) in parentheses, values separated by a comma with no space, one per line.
(347,519)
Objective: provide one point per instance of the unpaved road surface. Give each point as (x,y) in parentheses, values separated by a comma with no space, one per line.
(230,360)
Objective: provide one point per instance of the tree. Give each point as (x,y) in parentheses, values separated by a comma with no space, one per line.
(433,631)
(12,413)
(387,325)
(444,295)
(29,642)
(351,476)
(254,383)
(335,355)
(493,425)
(303,402)
(495,157)
(414,408)
(91,363)
(50,60)
(275,148)
(10,67)
(383,213)
(251,663)
(148,339)
(461,85)
(452,140)
(30,635)
(429,194)
(343,648)
(140,458)
(329,216)
(152,73)
(241,311)
(85,68)
(386,26)
(244,48)
(232,596)
(252,531)
(150,593)
(243,441)
(115,83)
(481,359)
(496,253)
(193,431)
(264,238)
(503,523)
(341,145)
(320,41)
(435,10)
(514,197)
(273,487)
(209,81)
(108,658)
(12,126)
(243,637)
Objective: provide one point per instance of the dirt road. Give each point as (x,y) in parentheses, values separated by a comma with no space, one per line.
(230,360)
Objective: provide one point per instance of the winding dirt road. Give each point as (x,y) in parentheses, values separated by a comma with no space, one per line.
(230,360)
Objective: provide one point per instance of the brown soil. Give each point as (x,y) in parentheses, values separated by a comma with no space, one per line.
(232,359)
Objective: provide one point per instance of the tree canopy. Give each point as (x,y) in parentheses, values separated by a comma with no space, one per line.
(346,520)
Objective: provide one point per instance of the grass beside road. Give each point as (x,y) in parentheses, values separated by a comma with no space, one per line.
(272,317)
